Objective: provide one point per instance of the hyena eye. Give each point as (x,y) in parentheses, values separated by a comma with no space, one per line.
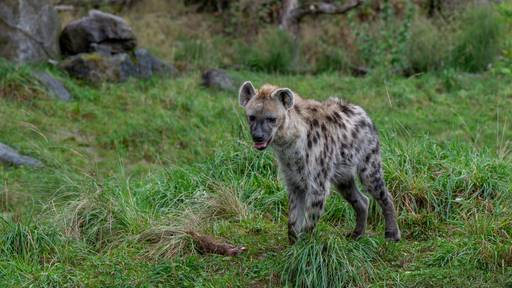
(252,118)
(271,120)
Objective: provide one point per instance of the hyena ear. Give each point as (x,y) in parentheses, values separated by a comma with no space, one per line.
(284,95)
(246,92)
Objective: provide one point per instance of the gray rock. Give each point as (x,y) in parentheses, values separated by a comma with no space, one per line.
(28,30)
(98,67)
(148,65)
(218,79)
(10,156)
(98,28)
(53,85)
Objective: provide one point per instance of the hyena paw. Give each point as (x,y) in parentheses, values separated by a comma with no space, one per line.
(392,235)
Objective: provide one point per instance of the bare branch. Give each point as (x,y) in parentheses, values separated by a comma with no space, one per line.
(293,13)
(324,8)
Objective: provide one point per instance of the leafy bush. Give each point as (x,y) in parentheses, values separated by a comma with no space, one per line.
(478,43)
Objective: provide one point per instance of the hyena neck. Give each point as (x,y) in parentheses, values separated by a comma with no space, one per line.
(290,133)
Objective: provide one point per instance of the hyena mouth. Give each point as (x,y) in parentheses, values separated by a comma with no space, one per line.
(262,145)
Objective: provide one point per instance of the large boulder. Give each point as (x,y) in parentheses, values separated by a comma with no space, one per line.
(97,31)
(28,30)
(100,67)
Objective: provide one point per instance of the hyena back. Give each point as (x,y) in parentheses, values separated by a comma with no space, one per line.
(319,143)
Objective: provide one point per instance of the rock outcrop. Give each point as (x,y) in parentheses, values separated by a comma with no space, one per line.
(29,30)
(10,156)
(97,31)
(52,85)
(100,67)
(102,47)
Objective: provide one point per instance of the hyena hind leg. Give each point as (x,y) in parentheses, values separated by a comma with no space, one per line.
(372,179)
(348,189)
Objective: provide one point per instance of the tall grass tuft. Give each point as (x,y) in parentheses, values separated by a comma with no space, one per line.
(17,82)
(478,42)
(29,242)
(332,262)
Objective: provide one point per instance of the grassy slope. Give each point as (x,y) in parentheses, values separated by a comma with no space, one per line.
(129,166)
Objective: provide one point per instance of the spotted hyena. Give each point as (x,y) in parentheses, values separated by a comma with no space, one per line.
(319,143)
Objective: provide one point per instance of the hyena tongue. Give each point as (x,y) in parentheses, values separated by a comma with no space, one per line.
(260,145)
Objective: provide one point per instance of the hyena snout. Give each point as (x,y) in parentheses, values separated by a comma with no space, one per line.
(261,136)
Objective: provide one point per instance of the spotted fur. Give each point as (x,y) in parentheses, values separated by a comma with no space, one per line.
(318,144)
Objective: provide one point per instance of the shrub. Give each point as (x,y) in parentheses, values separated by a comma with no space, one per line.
(478,42)
(273,51)
(332,60)
(427,47)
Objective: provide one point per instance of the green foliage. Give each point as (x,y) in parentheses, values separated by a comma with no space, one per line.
(427,47)
(273,51)
(383,44)
(478,42)
(248,16)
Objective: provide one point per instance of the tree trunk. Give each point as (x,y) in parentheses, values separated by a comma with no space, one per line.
(290,23)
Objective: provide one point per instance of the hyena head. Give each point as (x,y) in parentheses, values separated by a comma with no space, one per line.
(266,110)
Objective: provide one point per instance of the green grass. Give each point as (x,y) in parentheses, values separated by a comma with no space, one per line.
(131,167)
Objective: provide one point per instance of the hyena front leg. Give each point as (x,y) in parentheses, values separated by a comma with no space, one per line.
(314,209)
(315,199)
(372,179)
(296,206)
